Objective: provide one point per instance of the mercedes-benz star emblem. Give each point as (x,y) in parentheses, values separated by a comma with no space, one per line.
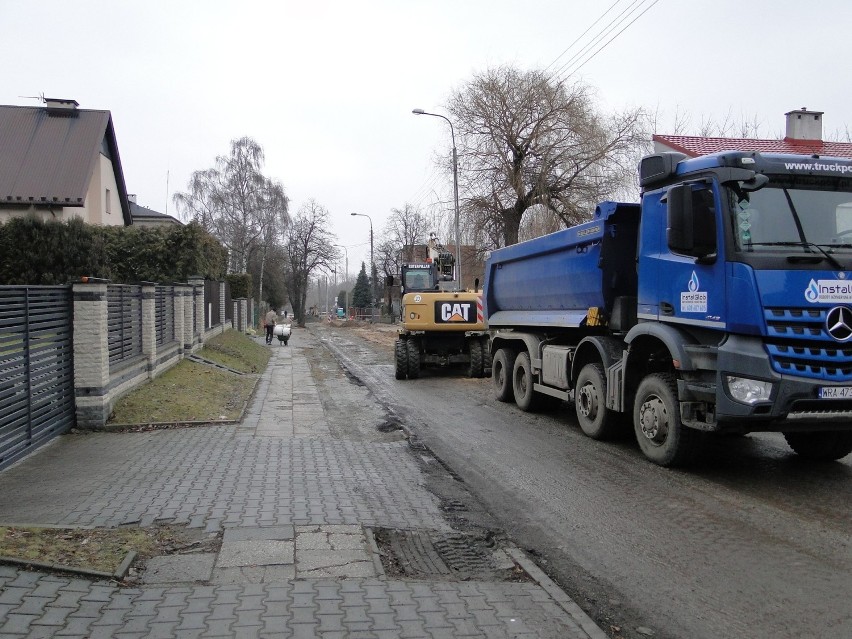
(838,323)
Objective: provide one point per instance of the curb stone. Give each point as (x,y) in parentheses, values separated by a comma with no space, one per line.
(559,596)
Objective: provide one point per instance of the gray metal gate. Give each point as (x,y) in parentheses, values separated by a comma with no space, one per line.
(36,367)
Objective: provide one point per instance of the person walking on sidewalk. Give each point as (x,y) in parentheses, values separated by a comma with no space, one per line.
(270,320)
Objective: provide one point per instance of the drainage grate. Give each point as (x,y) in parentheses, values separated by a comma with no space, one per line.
(444,556)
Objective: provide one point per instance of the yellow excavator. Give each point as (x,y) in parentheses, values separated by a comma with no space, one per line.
(441,325)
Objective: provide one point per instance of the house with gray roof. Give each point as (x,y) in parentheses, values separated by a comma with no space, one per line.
(60,162)
(143,216)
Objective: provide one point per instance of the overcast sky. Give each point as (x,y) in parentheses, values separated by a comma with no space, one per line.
(327,87)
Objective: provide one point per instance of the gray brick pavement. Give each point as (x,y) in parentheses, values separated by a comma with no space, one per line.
(309,607)
(212,477)
(281,473)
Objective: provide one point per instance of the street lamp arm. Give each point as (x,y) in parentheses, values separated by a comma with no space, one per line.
(443,117)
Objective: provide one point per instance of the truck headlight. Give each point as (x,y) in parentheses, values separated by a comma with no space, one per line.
(748,391)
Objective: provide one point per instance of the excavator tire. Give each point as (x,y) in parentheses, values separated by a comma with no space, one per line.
(401,358)
(413,358)
(486,357)
(475,366)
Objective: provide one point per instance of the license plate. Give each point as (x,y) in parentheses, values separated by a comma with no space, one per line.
(835,392)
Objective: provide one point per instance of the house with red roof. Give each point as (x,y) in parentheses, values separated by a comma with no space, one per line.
(59,162)
(803,137)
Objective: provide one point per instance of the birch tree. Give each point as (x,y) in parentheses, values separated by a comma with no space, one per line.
(236,202)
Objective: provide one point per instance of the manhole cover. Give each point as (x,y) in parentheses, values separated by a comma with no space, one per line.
(444,556)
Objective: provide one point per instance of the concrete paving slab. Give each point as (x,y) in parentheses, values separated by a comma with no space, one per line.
(352,538)
(235,554)
(253,574)
(172,569)
(268,533)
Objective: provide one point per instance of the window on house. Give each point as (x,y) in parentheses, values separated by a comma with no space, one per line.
(108,202)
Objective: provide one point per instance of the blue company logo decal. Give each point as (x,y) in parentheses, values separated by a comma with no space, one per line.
(828,291)
(694,301)
(693,283)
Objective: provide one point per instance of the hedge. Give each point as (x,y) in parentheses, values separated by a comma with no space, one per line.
(51,252)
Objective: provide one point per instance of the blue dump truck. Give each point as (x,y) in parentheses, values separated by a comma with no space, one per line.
(722,303)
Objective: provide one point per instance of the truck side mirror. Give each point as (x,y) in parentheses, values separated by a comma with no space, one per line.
(691,221)
(679,219)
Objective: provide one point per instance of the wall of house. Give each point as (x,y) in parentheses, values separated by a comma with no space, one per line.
(94,208)
(56,213)
(60,213)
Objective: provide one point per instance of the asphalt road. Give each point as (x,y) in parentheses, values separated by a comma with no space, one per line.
(750,542)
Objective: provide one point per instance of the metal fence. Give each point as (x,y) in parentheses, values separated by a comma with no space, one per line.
(36,367)
(212,312)
(229,304)
(124,321)
(164,309)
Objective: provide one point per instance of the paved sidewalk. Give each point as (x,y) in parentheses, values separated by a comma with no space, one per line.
(297,509)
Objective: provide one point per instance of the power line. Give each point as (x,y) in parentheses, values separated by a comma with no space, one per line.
(600,35)
(610,27)
(568,48)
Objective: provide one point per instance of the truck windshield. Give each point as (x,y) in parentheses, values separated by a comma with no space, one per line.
(794,214)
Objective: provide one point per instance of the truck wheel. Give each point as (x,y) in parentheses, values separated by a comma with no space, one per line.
(501,372)
(822,446)
(401,358)
(596,420)
(486,358)
(413,358)
(475,367)
(522,383)
(656,419)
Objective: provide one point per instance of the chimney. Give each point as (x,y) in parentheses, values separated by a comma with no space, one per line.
(61,107)
(131,197)
(804,124)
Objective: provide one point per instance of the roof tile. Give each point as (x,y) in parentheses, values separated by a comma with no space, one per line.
(694,145)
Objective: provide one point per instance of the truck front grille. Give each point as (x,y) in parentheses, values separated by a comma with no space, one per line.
(798,344)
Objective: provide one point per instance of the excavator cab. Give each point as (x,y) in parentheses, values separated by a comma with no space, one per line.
(428,275)
(418,277)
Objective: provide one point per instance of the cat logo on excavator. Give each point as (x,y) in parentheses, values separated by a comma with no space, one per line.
(456,312)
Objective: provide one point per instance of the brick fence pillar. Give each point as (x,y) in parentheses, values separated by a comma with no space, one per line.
(222,303)
(149,325)
(197,284)
(180,323)
(91,354)
(188,319)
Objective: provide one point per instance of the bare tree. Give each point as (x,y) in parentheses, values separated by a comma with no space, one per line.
(404,228)
(308,246)
(747,127)
(527,139)
(235,202)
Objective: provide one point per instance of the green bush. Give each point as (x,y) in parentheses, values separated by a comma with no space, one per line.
(51,252)
(240,284)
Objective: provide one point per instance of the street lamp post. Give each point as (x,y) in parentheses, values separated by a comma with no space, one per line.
(372,263)
(455,188)
(346,281)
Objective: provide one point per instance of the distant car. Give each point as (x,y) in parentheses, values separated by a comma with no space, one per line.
(341,314)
